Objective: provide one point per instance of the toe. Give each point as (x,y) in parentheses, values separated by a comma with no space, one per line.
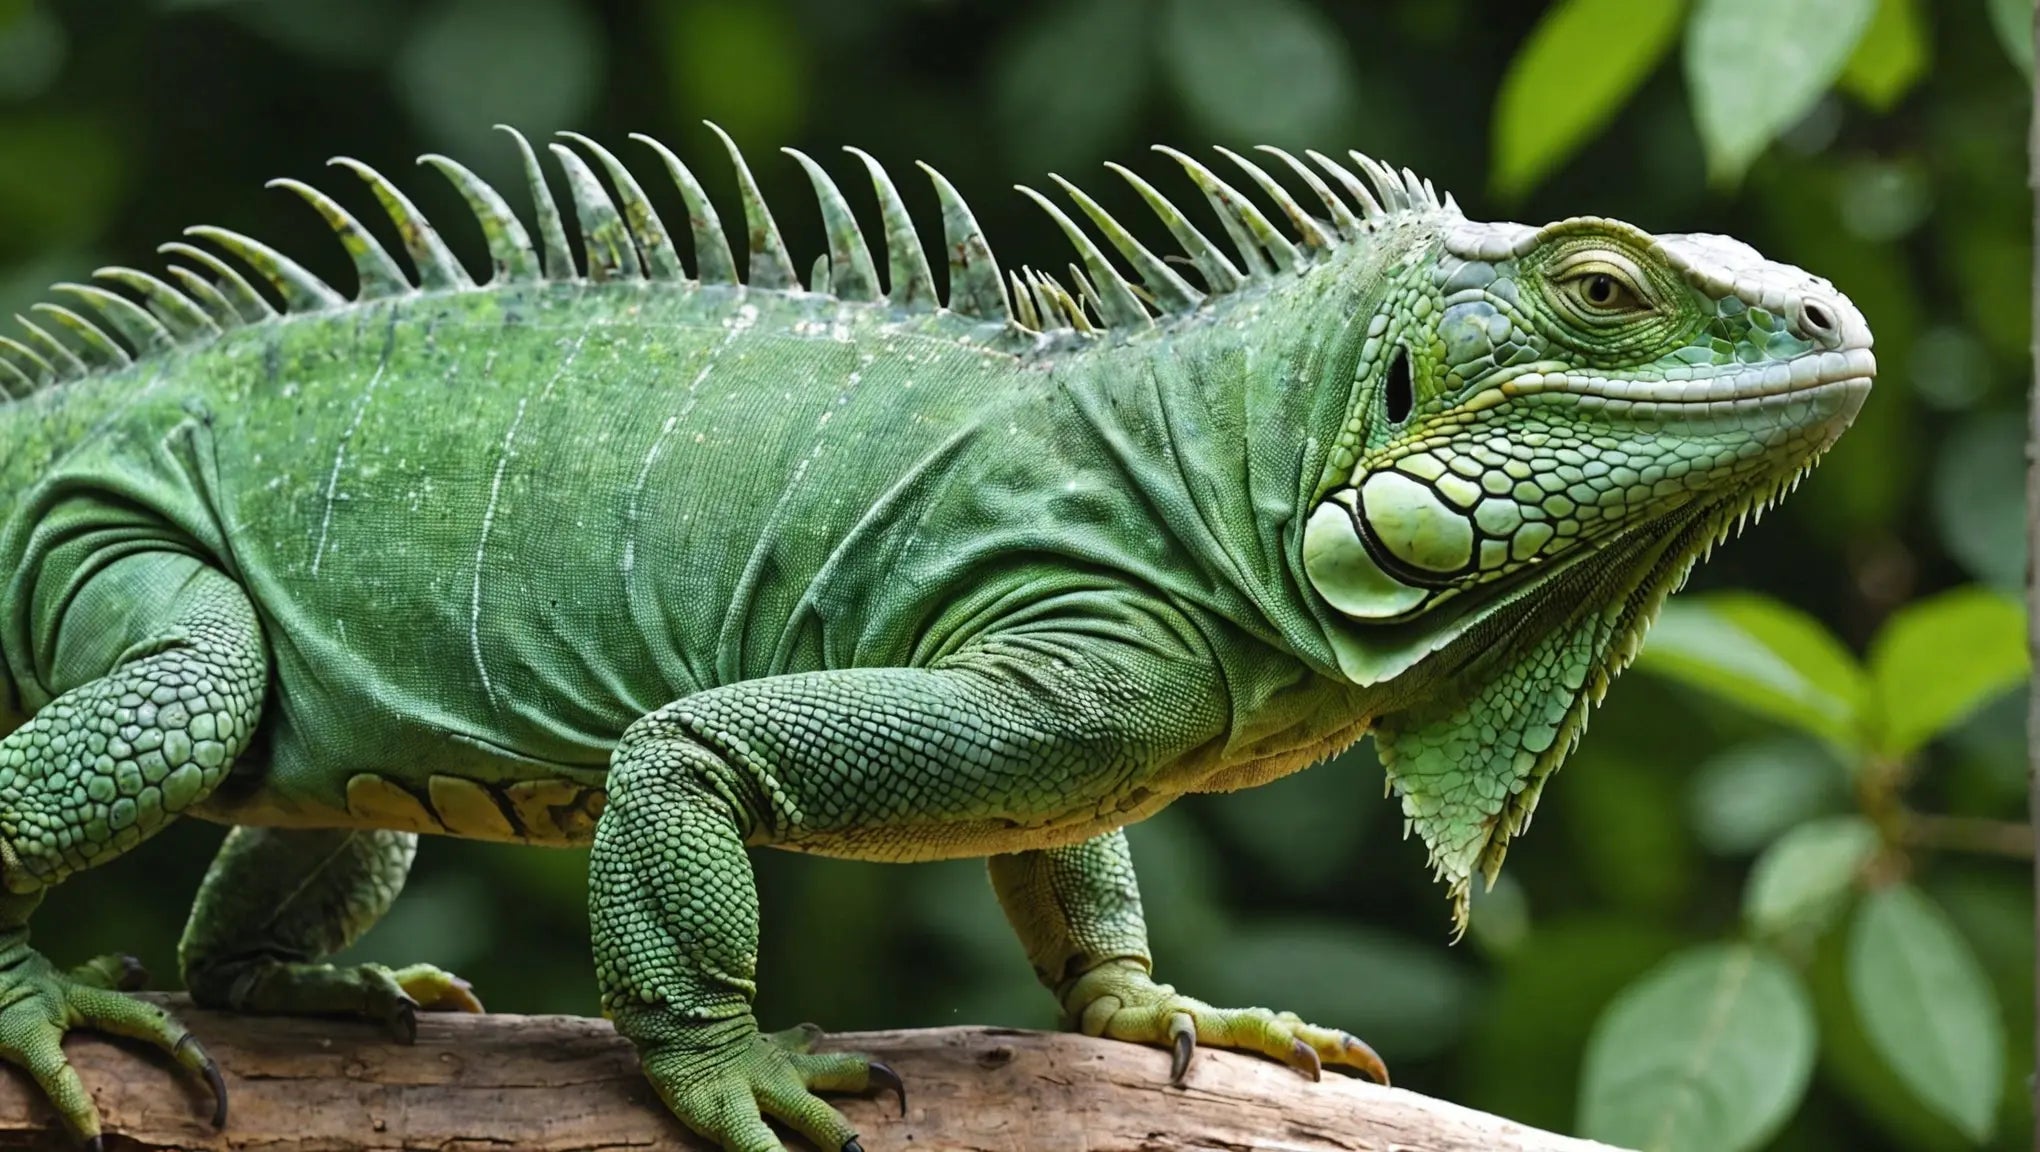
(123,1015)
(716,1099)
(37,1047)
(116,971)
(437,990)
(807,1114)
(1336,1049)
(1359,1055)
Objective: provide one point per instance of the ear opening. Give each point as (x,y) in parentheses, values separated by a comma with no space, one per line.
(1399,395)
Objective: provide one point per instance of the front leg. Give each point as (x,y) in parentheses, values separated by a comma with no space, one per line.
(676,948)
(1077,912)
(882,763)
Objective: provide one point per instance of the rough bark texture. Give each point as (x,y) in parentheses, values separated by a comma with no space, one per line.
(541,1083)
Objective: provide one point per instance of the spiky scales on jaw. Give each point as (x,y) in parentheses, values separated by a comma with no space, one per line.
(679,566)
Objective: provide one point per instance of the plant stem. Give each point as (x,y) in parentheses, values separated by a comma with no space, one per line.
(1967,834)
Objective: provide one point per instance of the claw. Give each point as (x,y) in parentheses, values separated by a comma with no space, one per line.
(1304,1058)
(403,1023)
(885,1078)
(210,1069)
(851,1145)
(1183,1040)
(98,1144)
(219,1088)
(133,975)
(1365,1058)
(460,997)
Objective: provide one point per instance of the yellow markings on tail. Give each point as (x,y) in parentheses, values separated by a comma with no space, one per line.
(556,812)
(469,810)
(376,801)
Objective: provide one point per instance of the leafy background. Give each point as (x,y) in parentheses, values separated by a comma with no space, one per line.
(1780,898)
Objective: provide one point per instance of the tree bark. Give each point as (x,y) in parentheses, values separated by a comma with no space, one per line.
(546,1083)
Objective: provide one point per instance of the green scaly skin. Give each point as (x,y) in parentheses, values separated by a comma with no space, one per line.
(681,567)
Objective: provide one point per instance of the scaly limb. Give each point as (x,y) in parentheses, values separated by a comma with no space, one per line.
(1077,911)
(99,769)
(881,763)
(276,902)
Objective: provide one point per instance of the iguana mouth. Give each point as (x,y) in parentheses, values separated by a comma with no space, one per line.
(1849,366)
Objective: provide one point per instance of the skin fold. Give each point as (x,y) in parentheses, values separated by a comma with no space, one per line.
(628,553)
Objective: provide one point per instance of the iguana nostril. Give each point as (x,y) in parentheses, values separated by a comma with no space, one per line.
(1818,321)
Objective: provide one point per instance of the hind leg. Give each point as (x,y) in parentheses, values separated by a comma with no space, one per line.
(276,902)
(160,664)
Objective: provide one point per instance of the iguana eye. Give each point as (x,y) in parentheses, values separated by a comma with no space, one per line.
(1602,290)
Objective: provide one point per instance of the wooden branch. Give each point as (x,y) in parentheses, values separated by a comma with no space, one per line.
(543,1083)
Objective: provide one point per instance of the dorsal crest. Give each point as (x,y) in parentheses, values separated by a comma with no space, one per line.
(623,238)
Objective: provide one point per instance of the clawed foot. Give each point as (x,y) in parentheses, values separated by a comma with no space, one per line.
(1121,1001)
(399,994)
(724,1089)
(38,1005)
(392,997)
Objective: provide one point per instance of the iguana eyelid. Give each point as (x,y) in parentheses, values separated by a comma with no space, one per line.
(1570,272)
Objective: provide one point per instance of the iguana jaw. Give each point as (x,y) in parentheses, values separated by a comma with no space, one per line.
(1843,372)
(1404,538)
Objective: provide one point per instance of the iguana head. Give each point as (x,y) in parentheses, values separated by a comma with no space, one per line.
(1548,427)
(1526,394)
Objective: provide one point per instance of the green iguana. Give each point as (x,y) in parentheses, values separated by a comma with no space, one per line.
(672,564)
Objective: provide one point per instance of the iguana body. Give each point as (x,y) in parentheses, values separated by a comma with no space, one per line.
(672,567)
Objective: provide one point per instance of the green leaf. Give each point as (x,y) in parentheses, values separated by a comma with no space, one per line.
(1709,1052)
(1938,660)
(1927,1007)
(1754,67)
(1046,120)
(2013,22)
(1800,882)
(1570,77)
(1744,797)
(1260,71)
(1891,57)
(1764,655)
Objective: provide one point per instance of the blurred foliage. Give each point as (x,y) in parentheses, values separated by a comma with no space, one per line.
(1775,899)
(1916,987)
